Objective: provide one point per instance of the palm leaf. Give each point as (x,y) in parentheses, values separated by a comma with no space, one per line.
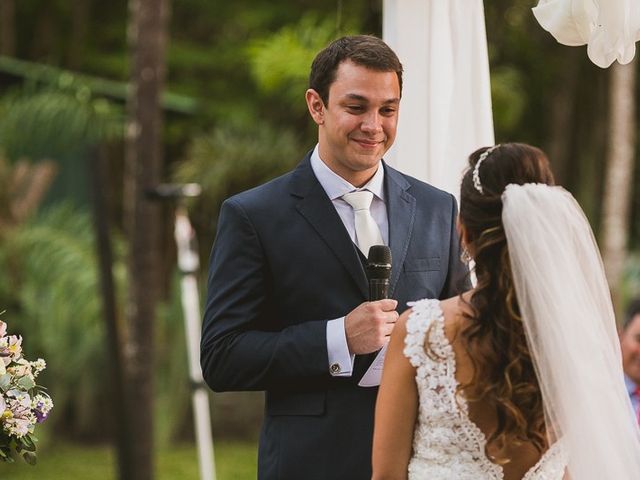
(53,124)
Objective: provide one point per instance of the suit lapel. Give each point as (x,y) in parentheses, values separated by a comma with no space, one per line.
(317,209)
(401,211)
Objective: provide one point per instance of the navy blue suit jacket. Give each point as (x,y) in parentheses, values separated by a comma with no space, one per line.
(282,265)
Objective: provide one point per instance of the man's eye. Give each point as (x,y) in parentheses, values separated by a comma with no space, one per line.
(388,111)
(355,108)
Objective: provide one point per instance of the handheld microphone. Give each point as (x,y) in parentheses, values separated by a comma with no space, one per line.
(379,271)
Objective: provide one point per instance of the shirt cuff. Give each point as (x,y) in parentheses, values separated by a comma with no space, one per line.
(340,360)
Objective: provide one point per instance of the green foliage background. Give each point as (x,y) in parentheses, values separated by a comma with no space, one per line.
(245,65)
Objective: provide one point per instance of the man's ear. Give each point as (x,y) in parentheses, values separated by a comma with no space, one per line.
(315,105)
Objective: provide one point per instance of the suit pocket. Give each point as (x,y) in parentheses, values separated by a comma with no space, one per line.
(422,264)
(295,403)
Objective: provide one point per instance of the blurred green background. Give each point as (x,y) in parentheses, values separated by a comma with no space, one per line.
(234,117)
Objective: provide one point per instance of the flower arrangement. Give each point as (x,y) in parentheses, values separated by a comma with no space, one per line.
(23,403)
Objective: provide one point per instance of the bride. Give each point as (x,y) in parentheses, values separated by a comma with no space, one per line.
(521,377)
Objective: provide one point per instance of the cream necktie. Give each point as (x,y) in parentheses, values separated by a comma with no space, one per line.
(367,231)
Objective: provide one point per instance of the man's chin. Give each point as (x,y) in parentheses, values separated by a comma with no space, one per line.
(368,162)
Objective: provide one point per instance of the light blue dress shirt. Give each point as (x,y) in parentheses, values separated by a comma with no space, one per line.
(633,396)
(340,360)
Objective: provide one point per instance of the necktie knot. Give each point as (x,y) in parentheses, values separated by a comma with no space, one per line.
(360,200)
(367,231)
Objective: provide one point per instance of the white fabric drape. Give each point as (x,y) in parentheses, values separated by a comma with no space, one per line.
(445,113)
(609,28)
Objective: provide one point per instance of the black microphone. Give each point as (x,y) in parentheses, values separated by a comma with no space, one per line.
(379,271)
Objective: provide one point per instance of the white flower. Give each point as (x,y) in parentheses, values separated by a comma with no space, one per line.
(21,406)
(20,368)
(38,366)
(10,348)
(19,427)
(18,400)
(19,420)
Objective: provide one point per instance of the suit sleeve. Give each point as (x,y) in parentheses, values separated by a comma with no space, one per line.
(237,351)
(457,273)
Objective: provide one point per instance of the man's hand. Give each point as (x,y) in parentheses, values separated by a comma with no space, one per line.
(369,325)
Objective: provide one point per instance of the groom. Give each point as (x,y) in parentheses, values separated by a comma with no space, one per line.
(287,308)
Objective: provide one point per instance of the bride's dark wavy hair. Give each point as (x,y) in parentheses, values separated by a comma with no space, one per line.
(494,338)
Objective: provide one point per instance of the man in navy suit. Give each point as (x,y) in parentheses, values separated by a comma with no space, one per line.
(287,308)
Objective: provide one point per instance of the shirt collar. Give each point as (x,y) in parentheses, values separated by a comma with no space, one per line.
(336,186)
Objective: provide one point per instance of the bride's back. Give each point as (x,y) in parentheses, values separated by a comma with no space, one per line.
(494,370)
(523,456)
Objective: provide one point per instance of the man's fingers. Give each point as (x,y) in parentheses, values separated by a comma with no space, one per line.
(389,329)
(369,325)
(386,304)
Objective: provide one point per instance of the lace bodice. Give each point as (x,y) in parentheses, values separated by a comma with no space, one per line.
(446,443)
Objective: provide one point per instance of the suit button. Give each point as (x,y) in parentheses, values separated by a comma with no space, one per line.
(334,368)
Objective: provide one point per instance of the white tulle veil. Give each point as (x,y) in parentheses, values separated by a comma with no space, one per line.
(569,322)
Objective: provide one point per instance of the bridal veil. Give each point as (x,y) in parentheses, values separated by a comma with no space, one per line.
(570,326)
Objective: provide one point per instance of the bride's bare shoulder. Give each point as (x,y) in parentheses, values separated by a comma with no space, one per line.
(453,311)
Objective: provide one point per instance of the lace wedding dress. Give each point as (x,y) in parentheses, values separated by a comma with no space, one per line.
(447,444)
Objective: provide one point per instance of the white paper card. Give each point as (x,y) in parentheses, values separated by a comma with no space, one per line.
(373,375)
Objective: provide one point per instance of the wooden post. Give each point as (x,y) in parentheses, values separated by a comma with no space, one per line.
(143,164)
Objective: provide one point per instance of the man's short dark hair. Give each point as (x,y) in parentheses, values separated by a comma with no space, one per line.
(633,309)
(364,50)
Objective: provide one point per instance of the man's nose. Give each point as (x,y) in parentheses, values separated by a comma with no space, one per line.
(372,123)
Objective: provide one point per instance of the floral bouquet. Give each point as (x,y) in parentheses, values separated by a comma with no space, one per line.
(23,403)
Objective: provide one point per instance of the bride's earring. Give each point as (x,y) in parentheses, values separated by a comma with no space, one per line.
(465,257)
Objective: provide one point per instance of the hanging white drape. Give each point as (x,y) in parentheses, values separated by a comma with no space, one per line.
(445,111)
(609,28)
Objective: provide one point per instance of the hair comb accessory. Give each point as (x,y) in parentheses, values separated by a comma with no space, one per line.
(476,169)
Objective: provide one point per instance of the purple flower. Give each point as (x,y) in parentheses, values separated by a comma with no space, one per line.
(41,406)
(40,417)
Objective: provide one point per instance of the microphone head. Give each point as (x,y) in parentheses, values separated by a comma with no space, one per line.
(379,262)
(379,254)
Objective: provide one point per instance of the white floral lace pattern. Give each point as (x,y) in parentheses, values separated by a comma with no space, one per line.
(447,444)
